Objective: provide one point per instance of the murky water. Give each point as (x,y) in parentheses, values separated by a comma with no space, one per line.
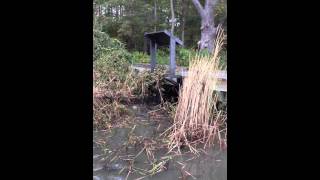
(114,150)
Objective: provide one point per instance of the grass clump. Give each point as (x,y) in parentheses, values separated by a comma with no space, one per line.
(197,120)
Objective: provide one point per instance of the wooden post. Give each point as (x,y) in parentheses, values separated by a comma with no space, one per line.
(172,56)
(153,54)
(145,45)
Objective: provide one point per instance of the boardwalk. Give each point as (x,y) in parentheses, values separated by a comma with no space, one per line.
(183,71)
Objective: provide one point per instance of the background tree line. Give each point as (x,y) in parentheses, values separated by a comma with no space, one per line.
(128,20)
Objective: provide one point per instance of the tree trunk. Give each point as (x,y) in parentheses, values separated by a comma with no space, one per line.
(117,12)
(172,17)
(208,30)
(99,14)
(208,33)
(145,43)
(94,10)
(155,15)
(183,13)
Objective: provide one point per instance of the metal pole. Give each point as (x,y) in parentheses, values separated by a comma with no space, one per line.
(172,56)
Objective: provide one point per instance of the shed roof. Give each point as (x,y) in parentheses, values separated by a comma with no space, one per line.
(162,38)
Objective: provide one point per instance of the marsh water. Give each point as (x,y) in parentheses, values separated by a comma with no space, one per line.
(122,153)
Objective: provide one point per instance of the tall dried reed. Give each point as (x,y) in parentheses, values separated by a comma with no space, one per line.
(197,119)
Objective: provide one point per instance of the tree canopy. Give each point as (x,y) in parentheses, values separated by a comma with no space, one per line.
(128,20)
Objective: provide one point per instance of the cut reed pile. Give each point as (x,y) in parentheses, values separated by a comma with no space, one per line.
(197,119)
(112,92)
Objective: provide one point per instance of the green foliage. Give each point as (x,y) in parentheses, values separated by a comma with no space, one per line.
(140,57)
(221,10)
(223,58)
(184,55)
(102,43)
(129,20)
(110,55)
(113,63)
(100,40)
(163,56)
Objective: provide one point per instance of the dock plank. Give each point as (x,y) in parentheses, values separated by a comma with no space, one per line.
(183,71)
